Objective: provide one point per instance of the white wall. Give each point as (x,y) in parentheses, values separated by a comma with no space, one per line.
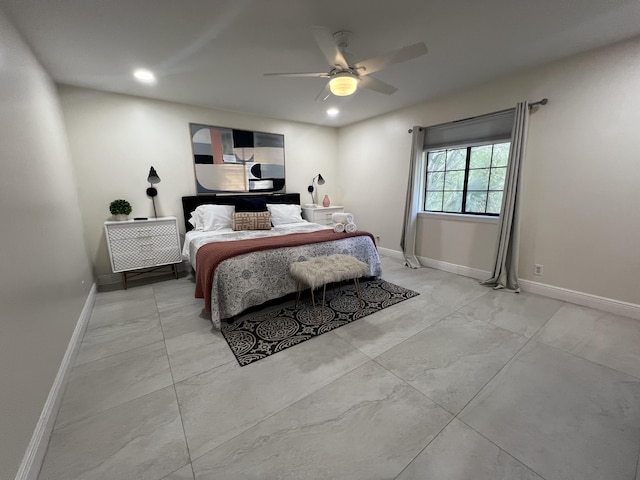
(46,274)
(580,215)
(114,139)
(578,196)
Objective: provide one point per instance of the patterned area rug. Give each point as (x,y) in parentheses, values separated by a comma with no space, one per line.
(261,333)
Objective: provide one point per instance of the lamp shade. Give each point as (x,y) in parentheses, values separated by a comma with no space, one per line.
(343,84)
(153,176)
(320,180)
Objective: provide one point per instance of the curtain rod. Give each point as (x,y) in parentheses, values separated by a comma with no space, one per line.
(544,101)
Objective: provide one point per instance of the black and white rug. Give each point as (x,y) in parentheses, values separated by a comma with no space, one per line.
(260,334)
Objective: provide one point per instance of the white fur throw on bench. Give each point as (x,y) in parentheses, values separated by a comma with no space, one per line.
(319,271)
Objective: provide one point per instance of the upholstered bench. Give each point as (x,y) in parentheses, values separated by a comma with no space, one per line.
(319,271)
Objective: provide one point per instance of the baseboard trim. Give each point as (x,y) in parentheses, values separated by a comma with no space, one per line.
(391,253)
(454,268)
(34,455)
(610,305)
(617,307)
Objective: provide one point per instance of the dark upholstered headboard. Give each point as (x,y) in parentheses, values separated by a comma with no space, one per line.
(190,203)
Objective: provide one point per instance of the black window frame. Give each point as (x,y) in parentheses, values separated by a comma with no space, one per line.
(465,188)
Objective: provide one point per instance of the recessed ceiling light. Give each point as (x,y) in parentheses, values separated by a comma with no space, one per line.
(144,75)
(332,112)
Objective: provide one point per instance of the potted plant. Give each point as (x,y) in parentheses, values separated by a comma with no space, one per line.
(120,209)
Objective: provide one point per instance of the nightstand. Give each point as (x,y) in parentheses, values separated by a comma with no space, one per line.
(137,245)
(321,215)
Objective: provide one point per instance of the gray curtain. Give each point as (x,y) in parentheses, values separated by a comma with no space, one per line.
(412,205)
(505,271)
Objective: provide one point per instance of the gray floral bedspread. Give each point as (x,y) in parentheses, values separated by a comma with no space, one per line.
(254,278)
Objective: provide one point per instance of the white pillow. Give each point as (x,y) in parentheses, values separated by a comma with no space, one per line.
(213,217)
(283,214)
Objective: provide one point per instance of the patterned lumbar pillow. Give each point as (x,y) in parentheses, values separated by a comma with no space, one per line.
(251,221)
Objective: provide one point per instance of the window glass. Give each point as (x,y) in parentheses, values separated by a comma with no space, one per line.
(435,181)
(478,179)
(481,156)
(434,201)
(497,178)
(477,202)
(500,155)
(467,180)
(452,202)
(456,159)
(436,161)
(494,202)
(454,180)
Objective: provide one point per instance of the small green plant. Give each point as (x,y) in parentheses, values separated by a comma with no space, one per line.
(120,207)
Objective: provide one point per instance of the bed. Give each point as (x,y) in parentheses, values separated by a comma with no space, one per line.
(236,270)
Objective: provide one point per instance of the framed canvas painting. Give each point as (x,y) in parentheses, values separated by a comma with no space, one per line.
(231,160)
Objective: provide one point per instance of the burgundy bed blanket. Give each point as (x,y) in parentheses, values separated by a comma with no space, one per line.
(210,255)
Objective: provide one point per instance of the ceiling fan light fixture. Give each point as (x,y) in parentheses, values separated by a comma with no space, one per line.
(343,84)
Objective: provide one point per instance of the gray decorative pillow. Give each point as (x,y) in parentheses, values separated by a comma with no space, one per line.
(251,221)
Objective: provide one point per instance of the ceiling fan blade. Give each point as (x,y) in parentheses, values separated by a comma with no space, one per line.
(376,85)
(323,94)
(329,48)
(385,60)
(299,74)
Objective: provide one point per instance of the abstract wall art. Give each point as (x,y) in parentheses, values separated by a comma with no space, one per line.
(233,160)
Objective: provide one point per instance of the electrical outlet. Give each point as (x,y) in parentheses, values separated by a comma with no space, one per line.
(538,269)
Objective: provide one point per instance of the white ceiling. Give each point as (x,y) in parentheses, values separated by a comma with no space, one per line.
(214,52)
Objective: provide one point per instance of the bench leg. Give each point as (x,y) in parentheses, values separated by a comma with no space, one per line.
(324,294)
(357,283)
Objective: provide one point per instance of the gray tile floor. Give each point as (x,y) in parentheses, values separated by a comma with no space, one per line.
(460,382)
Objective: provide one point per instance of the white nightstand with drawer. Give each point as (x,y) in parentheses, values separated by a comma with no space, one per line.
(143,244)
(321,215)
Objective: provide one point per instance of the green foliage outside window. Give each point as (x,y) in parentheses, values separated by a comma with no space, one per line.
(466,180)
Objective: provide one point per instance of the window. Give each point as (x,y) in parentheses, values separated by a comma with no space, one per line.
(467,180)
(466,164)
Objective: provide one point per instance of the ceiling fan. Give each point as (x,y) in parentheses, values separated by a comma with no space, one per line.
(345,77)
